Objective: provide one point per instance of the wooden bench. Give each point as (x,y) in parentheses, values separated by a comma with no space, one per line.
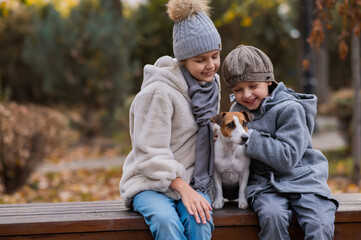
(110,220)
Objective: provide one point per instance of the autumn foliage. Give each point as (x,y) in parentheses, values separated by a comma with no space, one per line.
(350,13)
(27,134)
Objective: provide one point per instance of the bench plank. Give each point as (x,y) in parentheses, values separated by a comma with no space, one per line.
(110,220)
(131,235)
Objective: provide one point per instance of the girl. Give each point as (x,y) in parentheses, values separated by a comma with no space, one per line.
(166,176)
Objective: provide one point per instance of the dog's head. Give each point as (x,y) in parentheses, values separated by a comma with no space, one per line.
(233,125)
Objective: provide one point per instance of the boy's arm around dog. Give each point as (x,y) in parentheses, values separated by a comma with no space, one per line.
(280,146)
(282,126)
(283,149)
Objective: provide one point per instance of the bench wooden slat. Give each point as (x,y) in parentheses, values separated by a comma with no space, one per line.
(131,235)
(65,208)
(110,219)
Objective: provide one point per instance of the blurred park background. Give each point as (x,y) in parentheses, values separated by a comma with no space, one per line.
(69,70)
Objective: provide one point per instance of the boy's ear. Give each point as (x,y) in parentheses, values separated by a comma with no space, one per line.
(249,116)
(218,118)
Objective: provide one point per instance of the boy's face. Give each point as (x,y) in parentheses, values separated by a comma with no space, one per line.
(203,67)
(251,94)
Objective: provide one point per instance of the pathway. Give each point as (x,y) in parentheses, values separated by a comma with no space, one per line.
(327,137)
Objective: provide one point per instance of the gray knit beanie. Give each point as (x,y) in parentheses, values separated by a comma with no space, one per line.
(247,63)
(194,32)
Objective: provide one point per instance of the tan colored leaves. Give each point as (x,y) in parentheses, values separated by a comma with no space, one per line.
(350,13)
(316,36)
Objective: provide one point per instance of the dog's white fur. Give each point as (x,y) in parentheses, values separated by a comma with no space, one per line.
(231,165)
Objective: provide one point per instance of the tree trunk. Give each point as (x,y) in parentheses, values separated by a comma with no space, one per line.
(308,60)
(355,69)
(321,74)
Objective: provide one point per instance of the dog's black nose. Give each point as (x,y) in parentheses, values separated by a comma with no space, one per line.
(244,137)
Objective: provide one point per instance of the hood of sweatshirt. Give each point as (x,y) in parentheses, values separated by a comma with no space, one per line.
(166,70)
(281,94)
(307,101)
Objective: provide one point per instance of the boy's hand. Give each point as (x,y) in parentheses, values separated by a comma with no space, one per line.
(216,130)
(195,203)
(249,132)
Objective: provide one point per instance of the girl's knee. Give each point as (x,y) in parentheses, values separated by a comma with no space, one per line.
(163,224)
(164,218)
(199,230)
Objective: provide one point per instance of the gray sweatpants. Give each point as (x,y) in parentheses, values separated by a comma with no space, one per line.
(315,215)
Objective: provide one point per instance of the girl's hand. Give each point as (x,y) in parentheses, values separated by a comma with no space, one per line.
(195,203)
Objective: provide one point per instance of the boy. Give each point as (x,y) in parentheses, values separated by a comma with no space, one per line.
(287,176)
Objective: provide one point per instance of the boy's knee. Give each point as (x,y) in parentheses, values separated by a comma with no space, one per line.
(274,216)
(274,211)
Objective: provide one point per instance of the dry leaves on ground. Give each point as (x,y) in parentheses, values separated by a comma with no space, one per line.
(72,185)
(97,184)
(69,186)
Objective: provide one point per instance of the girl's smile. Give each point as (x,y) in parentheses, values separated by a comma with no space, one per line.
(203,67)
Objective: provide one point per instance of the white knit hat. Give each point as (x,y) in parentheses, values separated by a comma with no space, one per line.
(194,32)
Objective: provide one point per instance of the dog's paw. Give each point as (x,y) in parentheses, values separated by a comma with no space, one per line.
(218,204)
(242,204)
(242,201)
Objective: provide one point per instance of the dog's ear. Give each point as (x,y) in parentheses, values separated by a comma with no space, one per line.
(218,118)
(249,116)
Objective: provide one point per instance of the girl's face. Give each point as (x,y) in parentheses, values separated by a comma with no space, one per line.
(251,94)
(204,66)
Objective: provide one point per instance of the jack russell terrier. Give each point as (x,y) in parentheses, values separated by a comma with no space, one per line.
(231,165)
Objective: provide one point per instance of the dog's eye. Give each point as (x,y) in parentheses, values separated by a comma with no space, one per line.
(244,123)
(231,125)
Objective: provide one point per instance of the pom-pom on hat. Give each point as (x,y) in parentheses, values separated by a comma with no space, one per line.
(247,63)
(194,32)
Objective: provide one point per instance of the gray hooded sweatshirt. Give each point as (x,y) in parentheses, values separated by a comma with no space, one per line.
(283,159)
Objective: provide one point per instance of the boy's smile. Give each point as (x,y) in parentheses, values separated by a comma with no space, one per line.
(203,67)
(251,94)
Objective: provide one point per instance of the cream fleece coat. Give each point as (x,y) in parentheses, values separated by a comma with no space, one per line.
(163,132)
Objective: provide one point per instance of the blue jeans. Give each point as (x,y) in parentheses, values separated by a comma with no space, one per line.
(315,215)
(169,219)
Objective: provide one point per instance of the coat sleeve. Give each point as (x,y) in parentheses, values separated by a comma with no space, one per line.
(151,141)
(285,149)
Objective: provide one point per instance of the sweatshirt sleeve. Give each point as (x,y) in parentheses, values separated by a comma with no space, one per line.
(283,151)
(151,141)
